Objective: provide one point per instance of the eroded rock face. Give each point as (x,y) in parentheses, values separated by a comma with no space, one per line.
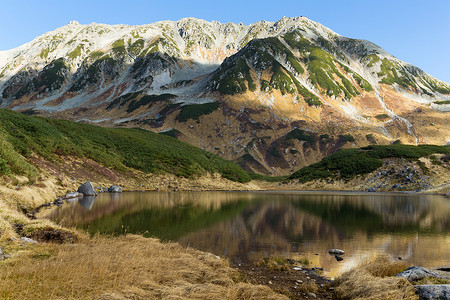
(416,273)
(434,292)
(87,189)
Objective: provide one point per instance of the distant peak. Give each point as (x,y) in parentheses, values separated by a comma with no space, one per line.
(74,23)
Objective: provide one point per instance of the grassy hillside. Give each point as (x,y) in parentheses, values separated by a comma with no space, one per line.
(23,137)
(347,163)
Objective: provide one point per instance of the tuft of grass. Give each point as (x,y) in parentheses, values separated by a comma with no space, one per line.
(125,267)
(364,283)
(308,287)
(383,267)
(274,263)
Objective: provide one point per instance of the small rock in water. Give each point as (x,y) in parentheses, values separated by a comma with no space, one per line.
(338,258)
(73,195)
(298,268)
(336,251)
(115,189)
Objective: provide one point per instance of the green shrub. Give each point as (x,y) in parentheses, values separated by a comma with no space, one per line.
(300,135)
(347,163)
(382,117)
(194,111)
(346,138)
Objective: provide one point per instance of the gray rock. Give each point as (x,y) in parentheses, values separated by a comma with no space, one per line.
(115,189)
(73,195)
(336,251)
(312,295)
(416,273)
(87,189)
(434,292)
(371,190)
(28,240)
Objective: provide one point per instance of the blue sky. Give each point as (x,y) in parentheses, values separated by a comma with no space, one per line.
(417,32)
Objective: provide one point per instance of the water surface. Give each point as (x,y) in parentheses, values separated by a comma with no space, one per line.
(247,226)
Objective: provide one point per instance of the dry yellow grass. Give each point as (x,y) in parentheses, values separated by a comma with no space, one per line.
(373,280)
(126,267)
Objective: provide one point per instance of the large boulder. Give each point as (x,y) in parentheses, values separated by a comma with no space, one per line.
(115,189)
(416,273)
(87,189)
(434,292)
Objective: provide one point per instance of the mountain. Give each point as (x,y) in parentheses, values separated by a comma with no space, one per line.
(273,96)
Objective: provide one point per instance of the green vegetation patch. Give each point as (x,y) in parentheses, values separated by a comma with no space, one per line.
(135,101)
(364,84)
(232,77)
(256,176)
(136,48)
(382,117)
(148,99)
(442,102)
(44,53)
(301,135)
(393,73)
(347,163)
(280,80)
(118,48)
(346,138)
(371,60)
(194,111)
(92,75)
(76,52)
(321,66)
(52,78)
(172,133)
(118,148)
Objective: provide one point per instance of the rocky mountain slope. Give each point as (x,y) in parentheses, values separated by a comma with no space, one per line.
(274,96)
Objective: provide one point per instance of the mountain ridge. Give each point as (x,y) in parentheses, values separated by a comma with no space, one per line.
(205,79)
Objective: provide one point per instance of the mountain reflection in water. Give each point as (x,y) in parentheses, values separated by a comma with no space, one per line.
(247,226)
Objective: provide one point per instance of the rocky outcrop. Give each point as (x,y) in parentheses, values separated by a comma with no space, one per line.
(416,273)
(434,292)
(87,189)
